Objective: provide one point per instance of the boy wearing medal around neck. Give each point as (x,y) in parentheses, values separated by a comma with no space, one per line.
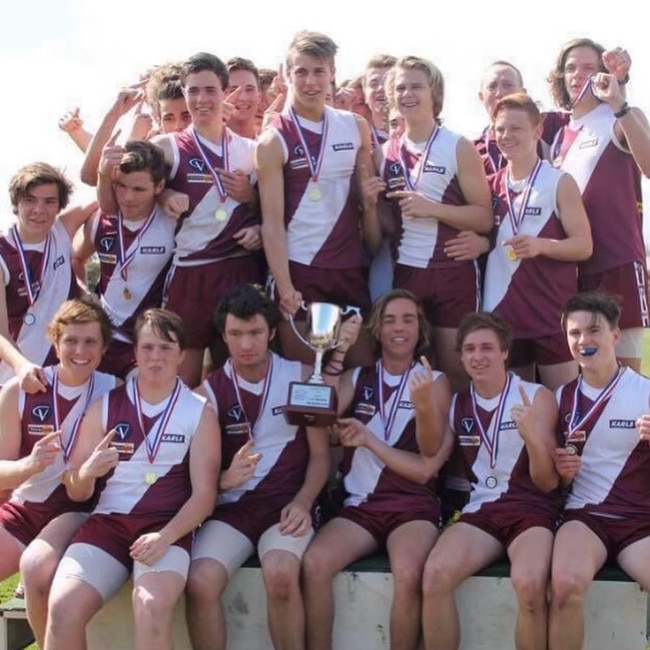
(435,181)
(504,428)
(606,147)
(312,163)
(272,474)
(152,447)
(37,435)
(541,232)
(210,192)
(603,459)
(392,436)
(35,270)
(134,245)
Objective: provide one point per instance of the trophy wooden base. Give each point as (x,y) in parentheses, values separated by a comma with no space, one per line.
(311,405)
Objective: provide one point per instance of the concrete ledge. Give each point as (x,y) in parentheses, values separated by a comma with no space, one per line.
(616,612)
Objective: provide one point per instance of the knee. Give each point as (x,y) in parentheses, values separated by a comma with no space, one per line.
(204,586)
(438,578)
(317,565)
(281,576)
(407,576)
(531,590)
(568,589)
(37,570)
(151,611)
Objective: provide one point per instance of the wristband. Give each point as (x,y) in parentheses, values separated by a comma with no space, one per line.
(624,110)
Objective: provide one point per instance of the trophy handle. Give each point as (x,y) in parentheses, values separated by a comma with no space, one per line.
(349,309)
(303,306)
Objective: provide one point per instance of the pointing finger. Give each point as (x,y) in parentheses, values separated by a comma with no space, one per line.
(233,94)
(106,440)
(425,362)
(113,139)
(524,397)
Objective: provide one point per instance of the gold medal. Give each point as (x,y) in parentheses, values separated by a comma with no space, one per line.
(512,256)
(314,193)
(150,478)
(221,214)
(126,292)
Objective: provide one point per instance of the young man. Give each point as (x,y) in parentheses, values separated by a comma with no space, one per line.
(152,444)
(243,77)
(35,268)
(37,434)
(218,236)
(272,473)
(306,163)
(504,427)
(606,148)
(398,411)
(134,246)
(604,459)
(436,181)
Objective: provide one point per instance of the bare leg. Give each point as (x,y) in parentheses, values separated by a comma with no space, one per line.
(38,565)
(286,613)
(206,583)
(530,559)
(634,561)
(10,556)
(337,544)
(408,547)
(154,596)
(577,554)
(459,553)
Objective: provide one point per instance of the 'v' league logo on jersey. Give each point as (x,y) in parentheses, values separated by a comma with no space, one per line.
(467,424)
(123,430)
(236,413)
(106,243)
(367,393)
(197,164)
(41,412)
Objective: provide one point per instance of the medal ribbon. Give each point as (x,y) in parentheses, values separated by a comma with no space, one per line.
(586,86)
(421,162)
(314,167)
(32,295)
(67,447)
(387,422)
(126,259)
(491,436)
(226,160)
(516,219)
(374,136)
(576,421)
(265,393)
(154,444)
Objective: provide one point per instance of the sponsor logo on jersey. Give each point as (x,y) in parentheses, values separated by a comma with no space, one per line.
(469,441)
(152,250)
(396,183)
(106,243)
(41,412)
(467,424)
(343,146)
(365,409)
(430,168)
(59,261)
(238,429)
(406,404)
(533,211)
(123,447)
(107,259)
(173,437)
(39,429)
(123,430)
(505,426)
(299,163)
(576,436)
(199,178)
(588,144)
(622,424)
(277,410)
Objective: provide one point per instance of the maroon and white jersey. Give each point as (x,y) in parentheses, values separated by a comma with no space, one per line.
(38,416)
(323,231)
(528,293)
(280,472)
(610,182)
(492,158)
(614,478)
(147,248)
(140,485)
(365,477)
(422,240)
(201,237)
(28,324)
(495,460)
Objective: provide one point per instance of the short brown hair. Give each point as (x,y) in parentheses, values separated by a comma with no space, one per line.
(33,175)
(315,44)
(596,303)
(484,320)
(165,324)
(78,312)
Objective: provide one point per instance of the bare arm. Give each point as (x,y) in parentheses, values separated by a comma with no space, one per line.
(369,187)
(73,218)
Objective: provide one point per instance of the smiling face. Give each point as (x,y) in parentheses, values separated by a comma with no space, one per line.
(310,79)
(174,115)
(36,211)
(591,340)
(412,96)
(482,356)
(204,95)
(516,135)
(399,330)
(79,348)
(248,98)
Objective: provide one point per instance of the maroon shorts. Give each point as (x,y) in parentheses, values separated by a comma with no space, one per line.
(627,283)
(615,534)
(342,287)
(25,521)
(119,359)
(193,292)
(543,350)
(447,293)
(380,524)
(115,533)
(505,521)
